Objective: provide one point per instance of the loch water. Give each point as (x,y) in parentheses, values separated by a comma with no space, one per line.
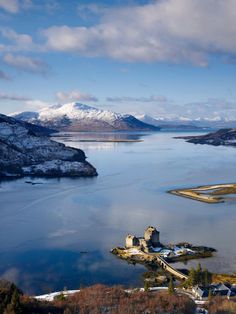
(57,233)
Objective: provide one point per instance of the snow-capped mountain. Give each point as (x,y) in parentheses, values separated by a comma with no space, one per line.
(186,123)
(80,117)
(22,153)
(168,124)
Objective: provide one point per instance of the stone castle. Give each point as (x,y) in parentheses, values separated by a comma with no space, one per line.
(150,240)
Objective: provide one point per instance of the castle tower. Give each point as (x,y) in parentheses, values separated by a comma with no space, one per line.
(152,236)
(131,241)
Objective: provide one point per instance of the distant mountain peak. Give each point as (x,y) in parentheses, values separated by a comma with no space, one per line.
(72,106)
(80,117)
(81,106)
(182,122)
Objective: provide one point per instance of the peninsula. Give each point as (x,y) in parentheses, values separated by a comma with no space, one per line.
(222,137)
(26,151)
(210,194)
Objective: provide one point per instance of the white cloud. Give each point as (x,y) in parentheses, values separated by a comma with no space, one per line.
(11,97)
(13,41)
(36,104)
(48,6)
(15,6)
(27,64)
(170,30)
(155,99)
(10,6)
(75,95)
(4,76)
(22,41)
(91,10)
(211,109)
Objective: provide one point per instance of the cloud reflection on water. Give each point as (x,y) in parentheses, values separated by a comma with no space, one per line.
(44,227)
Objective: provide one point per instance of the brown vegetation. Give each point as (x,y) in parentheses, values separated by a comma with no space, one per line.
(220,305)
(9,298)
(219,278)
(114,300)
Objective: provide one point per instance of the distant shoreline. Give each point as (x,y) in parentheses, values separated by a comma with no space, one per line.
(110,141)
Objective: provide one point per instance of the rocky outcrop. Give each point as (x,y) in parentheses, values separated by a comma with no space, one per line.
(22,153)
(226,137)
(36,129)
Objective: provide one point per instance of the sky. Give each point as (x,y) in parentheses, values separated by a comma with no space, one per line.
(165,58)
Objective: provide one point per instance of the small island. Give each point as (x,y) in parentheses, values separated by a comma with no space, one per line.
(210,194)
(148,250)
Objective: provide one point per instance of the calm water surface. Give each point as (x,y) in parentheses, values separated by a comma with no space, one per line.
(45,229)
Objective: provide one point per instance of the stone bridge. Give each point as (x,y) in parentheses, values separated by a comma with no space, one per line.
(167,267)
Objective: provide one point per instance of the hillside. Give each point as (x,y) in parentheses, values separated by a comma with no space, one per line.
(23,152)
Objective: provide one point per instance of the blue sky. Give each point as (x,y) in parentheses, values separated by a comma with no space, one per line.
(167,58)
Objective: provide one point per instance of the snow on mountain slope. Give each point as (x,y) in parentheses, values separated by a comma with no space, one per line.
(76,111)
(182,122)
(22,152)
(80,117)
(27,115)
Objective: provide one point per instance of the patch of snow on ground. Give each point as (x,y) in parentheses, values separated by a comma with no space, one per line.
(51,296)
(134,251)
(156,249)
(58,166)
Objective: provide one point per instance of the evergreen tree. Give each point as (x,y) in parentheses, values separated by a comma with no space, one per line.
(199,268)
(193,277)
(15,301)
(199,274)
(198,277)
(171,288)
(146,285)
(206,278)
(9,298)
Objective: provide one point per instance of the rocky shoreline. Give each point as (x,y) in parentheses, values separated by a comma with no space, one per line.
(222,137)
(146,259)
(25,153)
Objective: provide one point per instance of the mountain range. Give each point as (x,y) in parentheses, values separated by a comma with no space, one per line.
(169,124)
(187,124)
(80,117)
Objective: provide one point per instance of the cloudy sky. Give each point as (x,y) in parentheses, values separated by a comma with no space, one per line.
(161,57)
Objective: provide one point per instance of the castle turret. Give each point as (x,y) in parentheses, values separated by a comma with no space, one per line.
(131,241)
(152,236)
